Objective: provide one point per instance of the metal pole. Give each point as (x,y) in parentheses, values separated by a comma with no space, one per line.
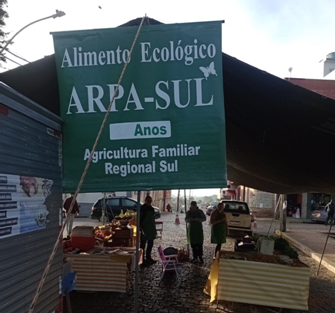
(136,308)
(283,212)
(177,221)
(178,196)
(164,200)
(58,14)
(185,204)
(274,215)
(103,215)
(185,200)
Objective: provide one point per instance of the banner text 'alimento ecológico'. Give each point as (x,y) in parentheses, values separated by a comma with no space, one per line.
(166,128)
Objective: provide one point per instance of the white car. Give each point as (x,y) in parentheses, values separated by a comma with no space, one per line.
(238,216)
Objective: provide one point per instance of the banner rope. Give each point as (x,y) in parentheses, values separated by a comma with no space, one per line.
(59,238)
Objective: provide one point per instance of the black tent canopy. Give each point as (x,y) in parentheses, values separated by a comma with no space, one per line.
(280,137)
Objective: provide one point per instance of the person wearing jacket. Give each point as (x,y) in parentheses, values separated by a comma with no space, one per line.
(148,229)
(219,229)
(330,210)
(195,235)
(72,214)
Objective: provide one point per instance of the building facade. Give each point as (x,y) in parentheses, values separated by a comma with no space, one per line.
(261,203)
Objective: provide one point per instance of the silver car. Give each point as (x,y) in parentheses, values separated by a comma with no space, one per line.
(211,208)
(319,216)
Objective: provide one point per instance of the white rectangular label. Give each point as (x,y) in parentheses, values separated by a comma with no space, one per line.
(140,130)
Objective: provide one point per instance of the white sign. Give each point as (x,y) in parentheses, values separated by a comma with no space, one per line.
(140,130)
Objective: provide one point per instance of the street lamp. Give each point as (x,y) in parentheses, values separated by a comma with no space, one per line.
(57,14)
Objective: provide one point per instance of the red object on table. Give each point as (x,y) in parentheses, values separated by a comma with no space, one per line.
(83,243)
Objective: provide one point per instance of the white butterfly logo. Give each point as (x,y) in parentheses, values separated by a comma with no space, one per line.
(208,70)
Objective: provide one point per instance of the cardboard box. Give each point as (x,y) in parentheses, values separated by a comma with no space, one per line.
(124,233)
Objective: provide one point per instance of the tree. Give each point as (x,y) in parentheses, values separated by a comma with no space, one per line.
(3,16)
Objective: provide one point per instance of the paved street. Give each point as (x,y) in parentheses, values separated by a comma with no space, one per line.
(189,297)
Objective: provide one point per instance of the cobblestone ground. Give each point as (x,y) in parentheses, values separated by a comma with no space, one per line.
(189,297)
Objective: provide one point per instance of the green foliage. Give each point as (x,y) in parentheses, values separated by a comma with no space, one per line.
(290,252)
(3,16)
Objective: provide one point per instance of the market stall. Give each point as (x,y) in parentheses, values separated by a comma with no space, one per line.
(255,278)
(104,257)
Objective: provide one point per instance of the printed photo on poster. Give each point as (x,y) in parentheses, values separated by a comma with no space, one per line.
(23,204)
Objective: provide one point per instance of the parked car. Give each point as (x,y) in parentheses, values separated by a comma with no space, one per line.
(211,207)
(114,205)
(319,216)
(238,216)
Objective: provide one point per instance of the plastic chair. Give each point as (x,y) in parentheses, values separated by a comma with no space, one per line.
(169,263)
(159,228)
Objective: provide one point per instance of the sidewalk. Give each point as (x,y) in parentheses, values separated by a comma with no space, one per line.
(310,239)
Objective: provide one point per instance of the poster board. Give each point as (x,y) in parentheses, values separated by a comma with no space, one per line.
(166,128)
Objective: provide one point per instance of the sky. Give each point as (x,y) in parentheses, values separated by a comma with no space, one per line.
(270,35)
(197,192)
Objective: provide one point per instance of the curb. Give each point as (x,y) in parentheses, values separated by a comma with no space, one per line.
(330,265)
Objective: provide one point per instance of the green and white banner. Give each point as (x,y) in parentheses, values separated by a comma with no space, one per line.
(166,128)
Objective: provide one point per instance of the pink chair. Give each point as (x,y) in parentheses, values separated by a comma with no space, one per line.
(169,263)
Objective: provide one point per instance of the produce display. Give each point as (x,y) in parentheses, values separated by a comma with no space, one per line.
(119,233)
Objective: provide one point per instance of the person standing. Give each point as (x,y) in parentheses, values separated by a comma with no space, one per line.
(219,229)
(330,210)
(148,229)
(195,217)
(70,215)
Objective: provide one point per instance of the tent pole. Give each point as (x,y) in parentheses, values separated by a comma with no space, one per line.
(164,200)
(185,204)
(185,200)
(177,221)
(274,214)
(283,210)
(136,307)
(178,197)
(103,217)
